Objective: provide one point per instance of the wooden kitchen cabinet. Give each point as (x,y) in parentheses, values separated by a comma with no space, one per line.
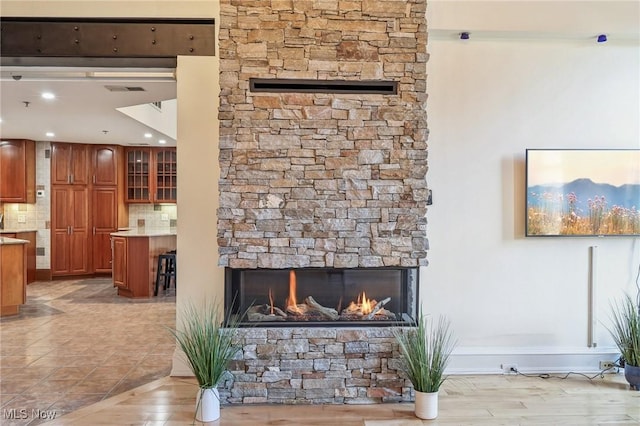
(138,163)
(69,164)
(18,171)
(166,179)
(135,262)
(151,175)
(119,245)
(31,253)
(105,164)
(108,214)
(87,205)
(70,236)
(13,276)
(105,221)
(29,236)
(109,211)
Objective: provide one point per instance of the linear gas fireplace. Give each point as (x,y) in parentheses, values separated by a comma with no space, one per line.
(324,297)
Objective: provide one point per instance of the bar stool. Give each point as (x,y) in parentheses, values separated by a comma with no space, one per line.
(165,271)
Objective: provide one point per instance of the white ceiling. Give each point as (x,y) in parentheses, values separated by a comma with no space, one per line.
(84,110)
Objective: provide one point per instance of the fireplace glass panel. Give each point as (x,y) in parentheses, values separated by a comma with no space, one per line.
(323,296)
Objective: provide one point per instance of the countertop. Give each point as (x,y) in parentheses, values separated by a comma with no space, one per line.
(15,231)
(7,241)
(146,232)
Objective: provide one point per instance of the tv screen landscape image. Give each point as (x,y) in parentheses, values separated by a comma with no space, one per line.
(589,192)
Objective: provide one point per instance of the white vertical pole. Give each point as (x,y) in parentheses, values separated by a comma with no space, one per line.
(593,273)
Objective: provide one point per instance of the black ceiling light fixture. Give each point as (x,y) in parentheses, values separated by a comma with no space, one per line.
(602,38)
(464,35)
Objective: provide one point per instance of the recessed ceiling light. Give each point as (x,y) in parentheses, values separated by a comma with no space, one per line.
(50,134)
(162,141)
(48,95)
(147,135)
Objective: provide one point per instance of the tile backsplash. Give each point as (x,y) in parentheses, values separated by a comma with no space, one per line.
(20,216)
(36,216)
(153,216)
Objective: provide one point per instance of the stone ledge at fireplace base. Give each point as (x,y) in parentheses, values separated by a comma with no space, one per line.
(317,366)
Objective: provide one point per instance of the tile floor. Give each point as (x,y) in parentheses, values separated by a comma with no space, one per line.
(75,343)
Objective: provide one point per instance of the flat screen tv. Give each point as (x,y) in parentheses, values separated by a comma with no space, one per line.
(582,192)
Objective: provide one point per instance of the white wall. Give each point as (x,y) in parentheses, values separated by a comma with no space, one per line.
(163,120)
(513,299)
(199,276)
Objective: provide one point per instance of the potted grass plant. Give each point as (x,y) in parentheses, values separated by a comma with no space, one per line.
(425,351)
(208,342)
(625,331)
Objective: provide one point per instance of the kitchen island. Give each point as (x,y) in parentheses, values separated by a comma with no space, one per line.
(135,259)
(29,235)
(13,275)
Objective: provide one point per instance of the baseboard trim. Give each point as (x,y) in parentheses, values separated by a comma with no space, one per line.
(47,275)
(43,275)
(180,368)
(535,360)
(486,360)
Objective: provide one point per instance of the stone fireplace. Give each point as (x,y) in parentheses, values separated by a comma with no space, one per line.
(323,157)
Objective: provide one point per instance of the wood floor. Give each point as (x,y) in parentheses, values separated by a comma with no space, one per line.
(464,400)
(81,355)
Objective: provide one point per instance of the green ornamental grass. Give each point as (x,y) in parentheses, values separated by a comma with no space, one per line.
(425,350)
(626,330)
(208,342)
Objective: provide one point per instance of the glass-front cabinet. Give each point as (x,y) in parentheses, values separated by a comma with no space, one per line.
(138,167)
(166,175)
(151,175)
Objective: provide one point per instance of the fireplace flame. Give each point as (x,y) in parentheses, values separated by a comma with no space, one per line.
(292,303)
(271,302)
(365,304)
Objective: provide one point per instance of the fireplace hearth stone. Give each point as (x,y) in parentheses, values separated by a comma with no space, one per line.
(316,366)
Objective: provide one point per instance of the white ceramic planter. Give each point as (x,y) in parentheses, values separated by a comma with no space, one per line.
(207,405)
(426,405)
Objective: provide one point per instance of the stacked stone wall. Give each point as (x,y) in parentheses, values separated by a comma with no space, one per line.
(316,366)
(322,179)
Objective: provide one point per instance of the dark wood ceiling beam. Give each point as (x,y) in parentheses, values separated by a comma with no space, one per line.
(103,42)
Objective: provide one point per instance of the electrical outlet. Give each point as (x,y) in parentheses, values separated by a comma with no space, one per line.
(509,368)
(22,218)
(605,365)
